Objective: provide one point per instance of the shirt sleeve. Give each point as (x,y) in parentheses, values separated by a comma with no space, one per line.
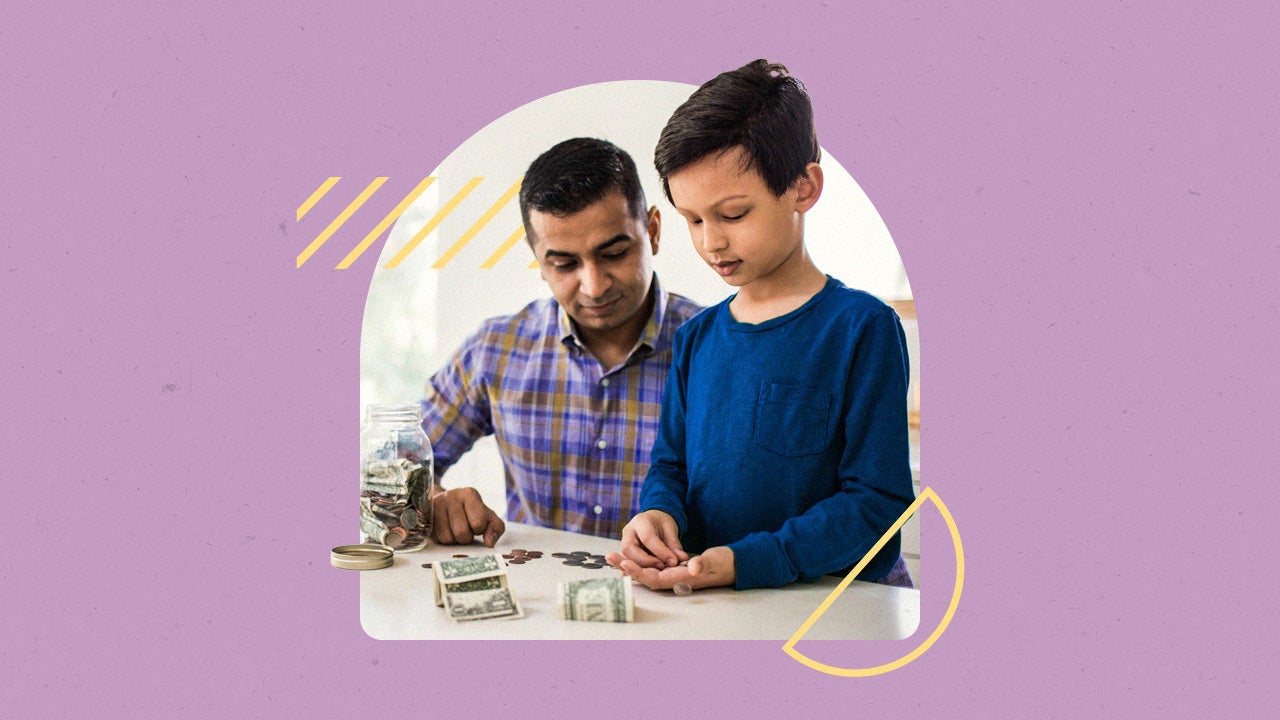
(874,476)
(455,406)
(667,482)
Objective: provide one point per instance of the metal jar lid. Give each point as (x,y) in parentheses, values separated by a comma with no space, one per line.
(361,557)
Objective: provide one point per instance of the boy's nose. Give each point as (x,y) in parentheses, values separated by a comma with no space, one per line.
(712,239)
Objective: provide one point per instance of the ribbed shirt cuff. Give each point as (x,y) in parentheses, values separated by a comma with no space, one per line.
(759,562)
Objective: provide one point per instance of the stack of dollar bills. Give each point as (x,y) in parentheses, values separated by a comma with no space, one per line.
(474,588)
(605,599)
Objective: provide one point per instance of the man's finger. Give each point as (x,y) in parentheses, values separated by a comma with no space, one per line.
(494,529)
(440,523)
(477,514)
(460,527)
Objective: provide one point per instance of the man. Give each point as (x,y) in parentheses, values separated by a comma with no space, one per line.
(571,387)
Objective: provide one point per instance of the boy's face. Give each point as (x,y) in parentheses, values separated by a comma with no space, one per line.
(739,227)
(598,263)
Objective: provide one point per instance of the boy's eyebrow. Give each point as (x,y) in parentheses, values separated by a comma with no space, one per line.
(619,238)
(721,201)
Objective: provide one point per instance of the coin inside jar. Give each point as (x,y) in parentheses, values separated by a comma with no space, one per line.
(683,588)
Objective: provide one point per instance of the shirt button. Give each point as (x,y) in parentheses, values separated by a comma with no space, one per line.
(605,382)
(602,444)
(597,509)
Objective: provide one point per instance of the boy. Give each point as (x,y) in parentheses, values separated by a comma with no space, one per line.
(782,449)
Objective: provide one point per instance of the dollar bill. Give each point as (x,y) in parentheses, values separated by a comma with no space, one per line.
(474,588)
(482,604)
(469,568)
(596,599)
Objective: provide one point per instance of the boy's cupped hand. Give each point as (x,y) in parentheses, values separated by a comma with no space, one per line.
(652,556)
(713,568)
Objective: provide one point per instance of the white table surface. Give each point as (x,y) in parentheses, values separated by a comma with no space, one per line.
(397,603)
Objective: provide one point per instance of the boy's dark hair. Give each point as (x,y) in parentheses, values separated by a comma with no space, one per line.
(760,107)
(576,173)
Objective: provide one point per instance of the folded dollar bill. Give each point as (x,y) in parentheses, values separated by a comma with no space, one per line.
(474,588)
(596,599)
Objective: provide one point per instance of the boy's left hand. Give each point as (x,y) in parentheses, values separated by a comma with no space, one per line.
(713,568)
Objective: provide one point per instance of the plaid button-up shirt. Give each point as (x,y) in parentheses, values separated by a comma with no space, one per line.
(574,436)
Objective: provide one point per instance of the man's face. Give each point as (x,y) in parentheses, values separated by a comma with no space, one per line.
(738,226)
(599,264)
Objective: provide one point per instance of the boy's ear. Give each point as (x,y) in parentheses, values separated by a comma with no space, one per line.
(655,228)
(808,187)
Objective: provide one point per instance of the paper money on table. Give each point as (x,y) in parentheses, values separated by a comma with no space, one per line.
(474,588)
(481,604)
(596,599)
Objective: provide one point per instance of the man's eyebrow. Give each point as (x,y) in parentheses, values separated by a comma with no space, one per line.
(619,238)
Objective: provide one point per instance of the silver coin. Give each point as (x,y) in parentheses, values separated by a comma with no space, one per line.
(409,518)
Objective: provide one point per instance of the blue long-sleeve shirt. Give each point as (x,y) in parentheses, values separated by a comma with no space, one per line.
(787,440)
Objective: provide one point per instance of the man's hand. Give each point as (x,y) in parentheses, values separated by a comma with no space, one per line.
(459,515)
(650,540)
(713,568)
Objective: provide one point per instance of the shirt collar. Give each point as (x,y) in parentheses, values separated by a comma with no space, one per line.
(650,337)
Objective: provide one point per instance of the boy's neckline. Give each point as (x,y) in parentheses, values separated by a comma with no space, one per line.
(773,322)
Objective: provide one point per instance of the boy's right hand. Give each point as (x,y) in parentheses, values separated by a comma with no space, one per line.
(652,540)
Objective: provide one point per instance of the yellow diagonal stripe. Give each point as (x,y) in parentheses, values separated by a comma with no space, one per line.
(501,251)
(433,222)
(325,187)
(386,223)
(342,218)
(534,265)
(477,226)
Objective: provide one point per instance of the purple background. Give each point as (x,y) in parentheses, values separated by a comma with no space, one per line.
(1084,198)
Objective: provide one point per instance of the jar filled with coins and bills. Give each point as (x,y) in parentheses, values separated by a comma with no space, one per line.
(397,474)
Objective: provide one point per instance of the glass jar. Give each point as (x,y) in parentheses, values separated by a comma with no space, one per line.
(397,474)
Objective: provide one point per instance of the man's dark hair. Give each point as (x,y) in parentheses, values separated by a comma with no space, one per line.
(576,173)
(759,107)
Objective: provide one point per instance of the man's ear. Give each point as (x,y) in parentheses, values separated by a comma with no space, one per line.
(655,228)
(808,187)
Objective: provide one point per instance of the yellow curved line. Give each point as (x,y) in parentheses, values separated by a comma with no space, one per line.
(789,647)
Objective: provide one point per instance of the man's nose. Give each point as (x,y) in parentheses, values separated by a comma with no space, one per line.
(595,281)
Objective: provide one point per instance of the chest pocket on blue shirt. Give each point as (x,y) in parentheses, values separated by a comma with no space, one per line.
(792,420)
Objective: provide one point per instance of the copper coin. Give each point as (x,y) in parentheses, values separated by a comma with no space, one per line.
(426,565)
(458,556)
(517,561)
